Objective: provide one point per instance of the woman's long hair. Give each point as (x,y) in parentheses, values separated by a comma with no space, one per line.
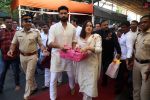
(83,32)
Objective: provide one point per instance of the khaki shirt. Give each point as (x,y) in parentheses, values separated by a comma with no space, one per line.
(142,46)
(27,40)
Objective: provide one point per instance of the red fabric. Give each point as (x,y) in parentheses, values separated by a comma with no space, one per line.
(105,93)
(6,37)
(46,62)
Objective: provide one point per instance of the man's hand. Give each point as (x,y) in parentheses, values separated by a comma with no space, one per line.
(45,53)
(129,63)
(88,49)
(84,49)
(147,75)
(65,48)
(10,53)
(118,56)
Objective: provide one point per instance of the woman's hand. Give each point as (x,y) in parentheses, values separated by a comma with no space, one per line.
(77,47)
(10,53)
(89,52)
(84,49)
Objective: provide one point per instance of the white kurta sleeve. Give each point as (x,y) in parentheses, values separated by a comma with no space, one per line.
(74,38)
(51,36)
(98,43)
(129,45)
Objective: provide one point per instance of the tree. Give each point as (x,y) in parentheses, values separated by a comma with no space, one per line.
(5,3)
(5,6)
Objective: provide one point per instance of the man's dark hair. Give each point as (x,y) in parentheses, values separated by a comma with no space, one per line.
(148,16)
(126,23)
(43,24)
(26,16)
(135,21)
(104,20)
(119,30)
(74,20)
(63,8)
(98,23)
(8,17)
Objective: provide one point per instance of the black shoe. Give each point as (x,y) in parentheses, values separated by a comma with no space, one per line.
(117,91)
(34,91)
(59,83)
(130,97)
(44,88)
(1,91)
(72,91)
(104,84)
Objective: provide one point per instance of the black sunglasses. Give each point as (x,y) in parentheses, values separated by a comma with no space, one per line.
(27,20)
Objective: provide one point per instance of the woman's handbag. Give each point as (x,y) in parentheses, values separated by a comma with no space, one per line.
(113,68)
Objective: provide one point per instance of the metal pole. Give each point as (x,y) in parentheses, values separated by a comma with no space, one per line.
(19,9)
(93,13)
(69,17)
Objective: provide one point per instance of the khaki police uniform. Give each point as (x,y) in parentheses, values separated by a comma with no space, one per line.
(141,87)
(27,42)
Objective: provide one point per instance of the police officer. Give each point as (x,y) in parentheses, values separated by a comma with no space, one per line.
(27,40)
(141,69)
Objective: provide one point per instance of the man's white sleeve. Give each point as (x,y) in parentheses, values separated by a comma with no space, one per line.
(51,37)
(129,44)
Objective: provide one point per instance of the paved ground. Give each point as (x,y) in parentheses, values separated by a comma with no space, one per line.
(10,94)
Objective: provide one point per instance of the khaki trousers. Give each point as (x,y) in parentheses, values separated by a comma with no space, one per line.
(141,88)
(28,64)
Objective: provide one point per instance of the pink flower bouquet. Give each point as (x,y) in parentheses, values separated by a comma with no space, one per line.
(73,54)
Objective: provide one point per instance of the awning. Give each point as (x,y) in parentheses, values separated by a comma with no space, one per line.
(78,7)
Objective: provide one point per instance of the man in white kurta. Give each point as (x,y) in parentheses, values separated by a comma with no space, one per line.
(62,37)
(78,28)
(61,34)
(44,37)
(131,36)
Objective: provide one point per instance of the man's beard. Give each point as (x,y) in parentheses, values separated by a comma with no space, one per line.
(9,26)
(64,19)
(106,29)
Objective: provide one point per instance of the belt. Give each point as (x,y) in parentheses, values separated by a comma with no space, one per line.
(28,54)
(142,61)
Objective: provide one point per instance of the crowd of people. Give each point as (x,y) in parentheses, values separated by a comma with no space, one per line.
(27,46)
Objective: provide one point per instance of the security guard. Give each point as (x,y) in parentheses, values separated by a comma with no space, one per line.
(109,44)
(27,40)
(141,69)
